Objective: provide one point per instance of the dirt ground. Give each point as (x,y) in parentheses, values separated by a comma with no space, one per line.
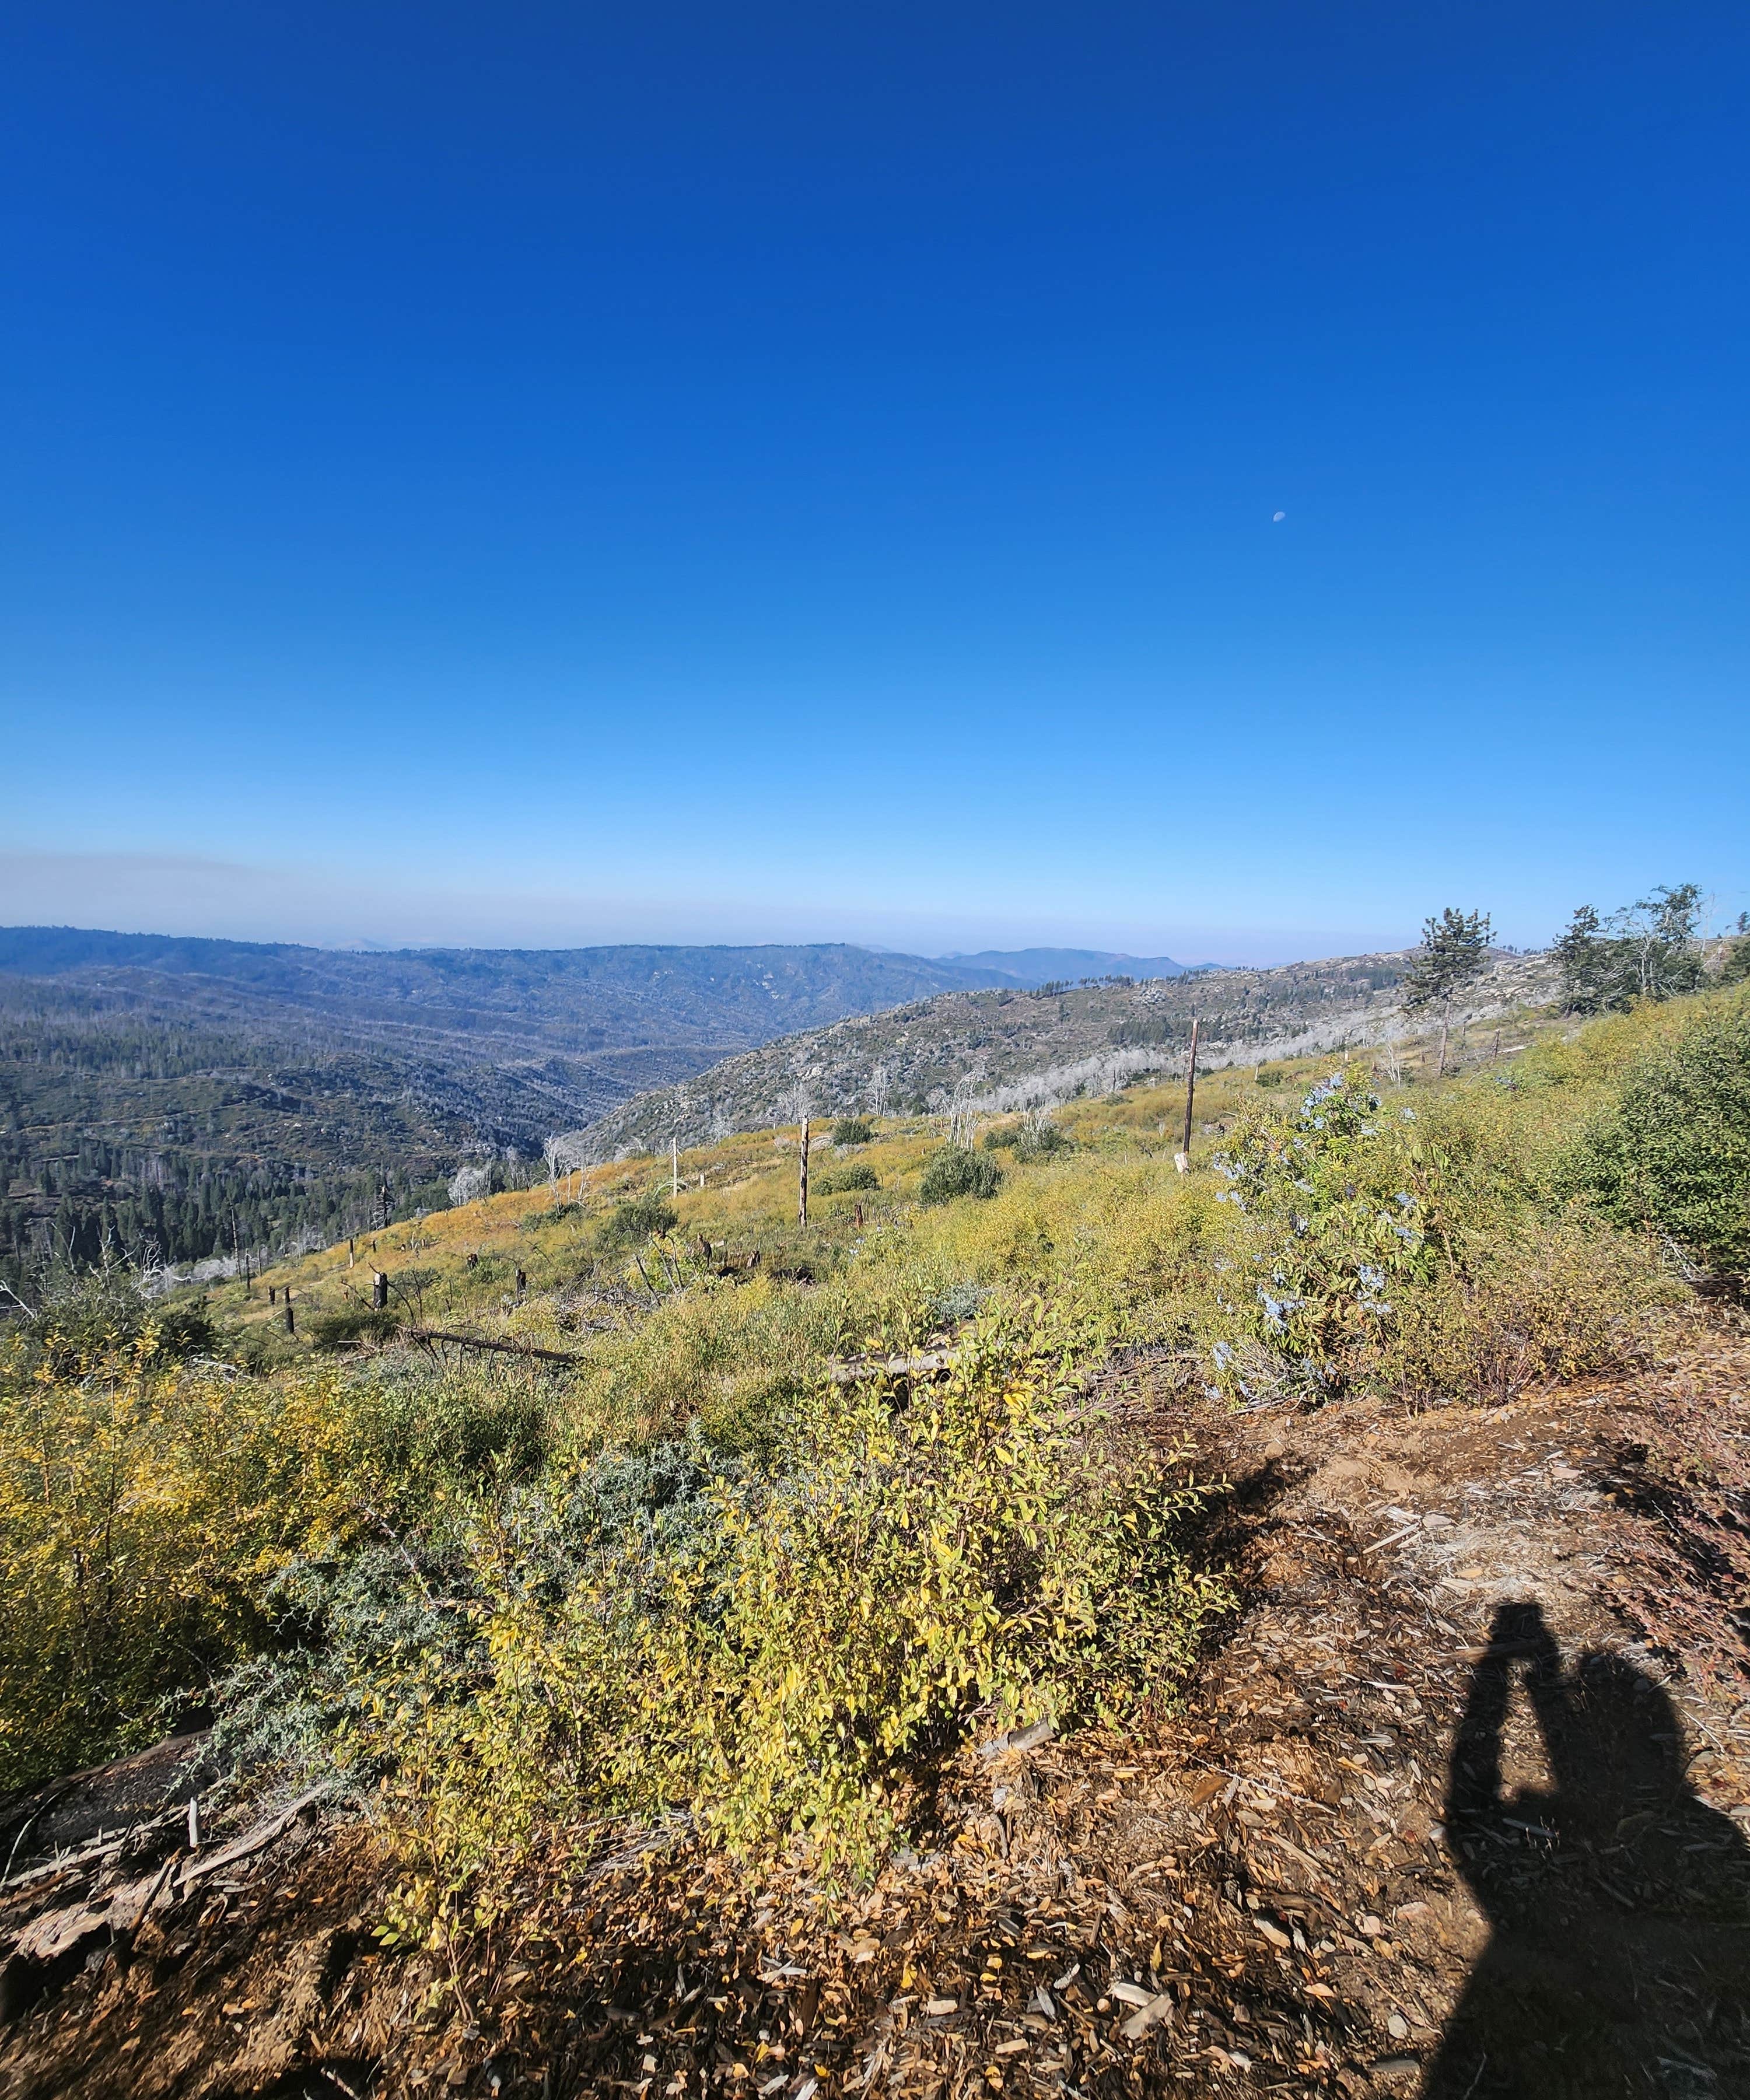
(1460,1808)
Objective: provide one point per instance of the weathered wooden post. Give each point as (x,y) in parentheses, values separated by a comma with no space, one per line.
(379,1292)
(1183,1162)
(802,1178)
(674,1165)
(291,1317)
(273,1293)
(523,1284)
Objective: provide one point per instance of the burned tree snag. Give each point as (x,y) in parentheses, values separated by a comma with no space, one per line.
(1183,1161)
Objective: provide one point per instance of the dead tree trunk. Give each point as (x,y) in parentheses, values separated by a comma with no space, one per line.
(1183,1161)
(802,1178)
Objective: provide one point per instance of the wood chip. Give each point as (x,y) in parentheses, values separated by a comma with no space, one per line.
(1157,2008)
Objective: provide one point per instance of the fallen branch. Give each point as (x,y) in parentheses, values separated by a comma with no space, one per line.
(252,1840)
(869,1367)
(481,1341)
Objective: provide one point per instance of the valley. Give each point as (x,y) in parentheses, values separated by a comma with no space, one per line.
(175,1100)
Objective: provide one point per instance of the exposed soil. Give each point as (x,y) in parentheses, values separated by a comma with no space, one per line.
(1459,1808)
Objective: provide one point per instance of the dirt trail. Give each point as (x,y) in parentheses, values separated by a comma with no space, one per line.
(1459,1809)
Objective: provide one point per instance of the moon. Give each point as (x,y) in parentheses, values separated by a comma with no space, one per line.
(1276,516)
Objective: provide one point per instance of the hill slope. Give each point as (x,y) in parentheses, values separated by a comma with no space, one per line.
(871,1450)
(1000,1049)
(189,1093)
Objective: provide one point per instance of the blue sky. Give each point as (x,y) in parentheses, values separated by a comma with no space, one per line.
(548,473)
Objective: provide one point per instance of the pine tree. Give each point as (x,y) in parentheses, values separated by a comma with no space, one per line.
(1453,954)
(1650,949)
(1584,955)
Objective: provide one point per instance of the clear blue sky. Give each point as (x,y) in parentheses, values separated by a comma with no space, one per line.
(556,472)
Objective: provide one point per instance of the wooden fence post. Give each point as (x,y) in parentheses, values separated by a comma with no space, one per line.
(802,1178)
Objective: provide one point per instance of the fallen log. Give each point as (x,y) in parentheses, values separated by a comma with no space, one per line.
(53,1944)
(482,1341)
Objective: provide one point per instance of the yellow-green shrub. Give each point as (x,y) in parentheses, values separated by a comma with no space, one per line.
(1550,1297)
(140,1511)
(145,1511)
(784,1666)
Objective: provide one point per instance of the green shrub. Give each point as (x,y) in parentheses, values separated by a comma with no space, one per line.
(858,1174)
(1266,1077)
(1030,1141)
(1422,1252)
(1673,1151)
(853,1130)
(631,1224)
(86,1315)
(953,1172)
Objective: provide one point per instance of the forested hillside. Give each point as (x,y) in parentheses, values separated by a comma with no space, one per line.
(1011,1049)
(187,1098)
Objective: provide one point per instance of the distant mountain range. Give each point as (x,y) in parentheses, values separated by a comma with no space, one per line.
(1037,966)
(185,1091)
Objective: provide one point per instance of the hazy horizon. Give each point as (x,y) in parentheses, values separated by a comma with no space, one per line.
(184,897)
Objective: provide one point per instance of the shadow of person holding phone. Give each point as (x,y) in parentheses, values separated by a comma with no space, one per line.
(1620,1902)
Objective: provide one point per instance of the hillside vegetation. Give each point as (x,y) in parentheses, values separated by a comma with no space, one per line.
(997,1049)
(632,1511)
(178,1100)
(167,1520)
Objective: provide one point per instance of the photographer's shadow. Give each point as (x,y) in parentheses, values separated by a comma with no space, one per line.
(1620,1959)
